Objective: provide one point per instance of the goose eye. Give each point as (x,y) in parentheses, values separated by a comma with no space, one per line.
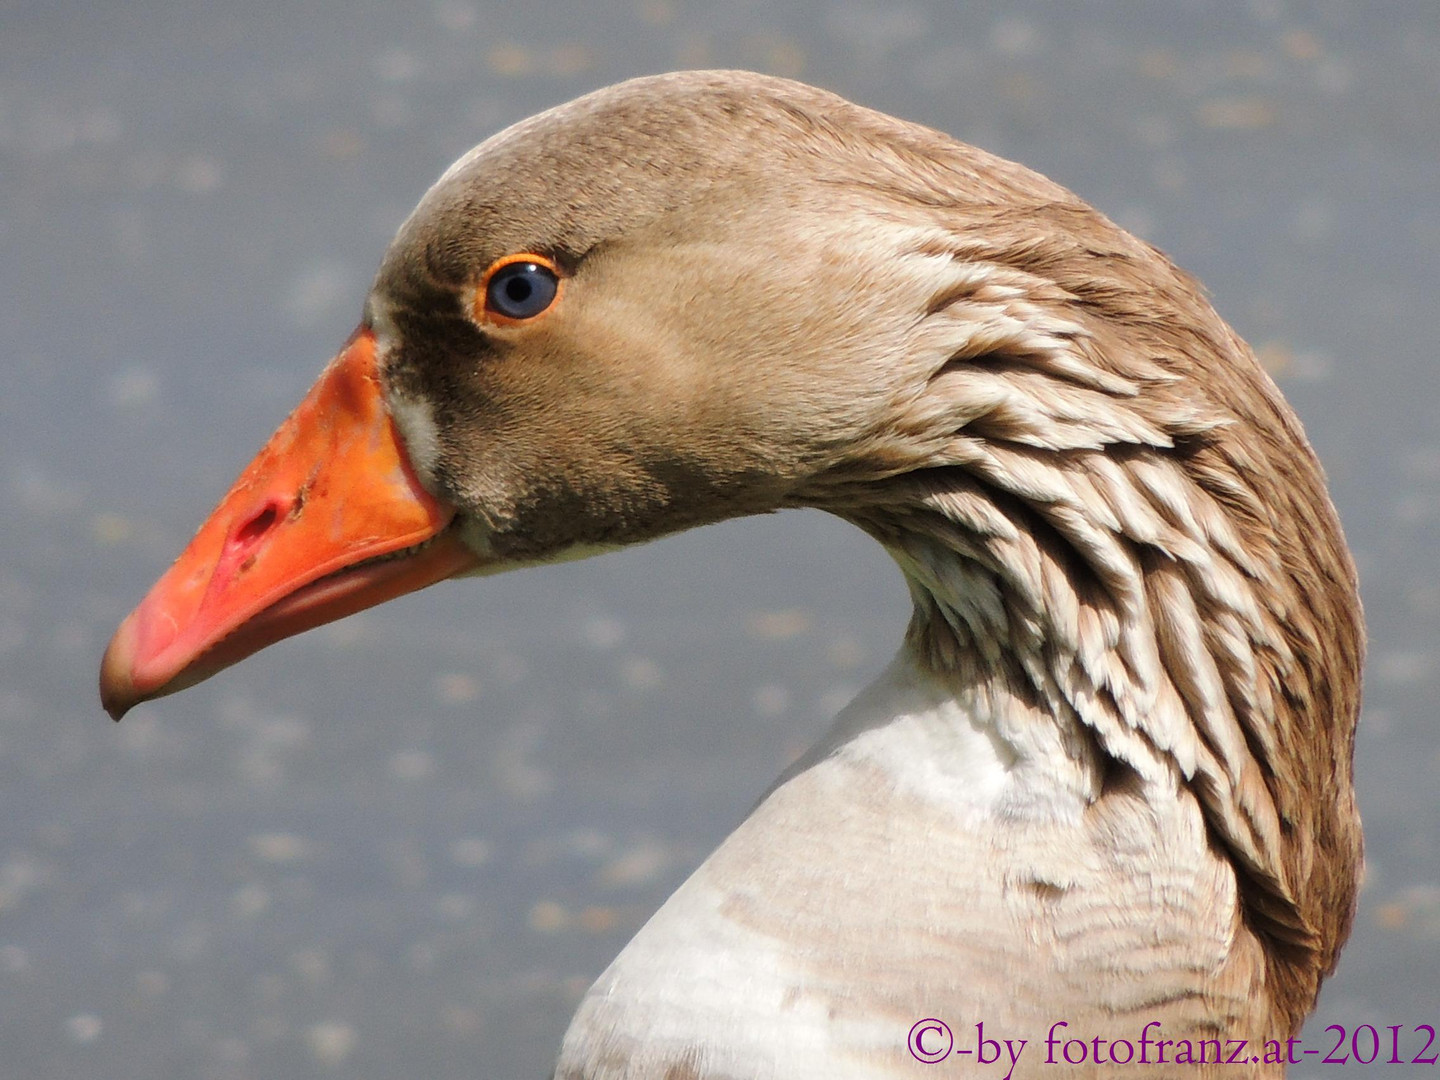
(521,288)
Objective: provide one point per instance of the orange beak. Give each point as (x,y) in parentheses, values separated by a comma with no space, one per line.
(321,524)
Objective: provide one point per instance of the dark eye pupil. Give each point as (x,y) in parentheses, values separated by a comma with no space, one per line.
(522,290)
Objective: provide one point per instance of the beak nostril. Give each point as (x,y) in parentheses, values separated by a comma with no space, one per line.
(255,529)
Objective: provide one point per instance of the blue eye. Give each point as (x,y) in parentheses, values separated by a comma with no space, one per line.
(521,289)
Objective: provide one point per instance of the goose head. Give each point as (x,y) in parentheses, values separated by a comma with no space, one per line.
(705,295)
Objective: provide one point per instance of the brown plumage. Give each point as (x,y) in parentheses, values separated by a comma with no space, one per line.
(1133,667)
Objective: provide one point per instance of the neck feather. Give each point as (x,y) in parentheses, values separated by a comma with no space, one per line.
(1108,517)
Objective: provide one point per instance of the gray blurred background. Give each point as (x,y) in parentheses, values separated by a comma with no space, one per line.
(404,845)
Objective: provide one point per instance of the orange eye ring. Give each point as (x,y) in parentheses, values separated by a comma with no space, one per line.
(518,289)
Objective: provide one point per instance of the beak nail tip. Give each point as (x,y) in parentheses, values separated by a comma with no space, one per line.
(117,683)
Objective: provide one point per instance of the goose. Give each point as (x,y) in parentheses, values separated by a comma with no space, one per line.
(1101,797)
